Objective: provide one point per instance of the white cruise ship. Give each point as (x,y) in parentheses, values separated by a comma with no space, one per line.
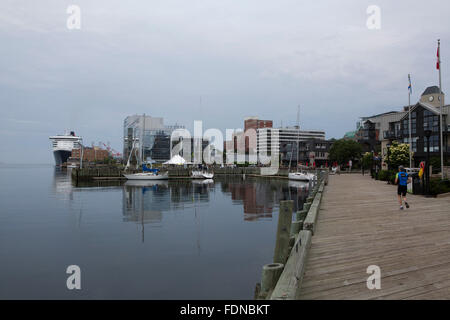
(62,146)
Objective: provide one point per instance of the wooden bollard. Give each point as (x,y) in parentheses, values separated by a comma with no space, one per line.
(306,206)
(296,226)
(283,231)
(270,275)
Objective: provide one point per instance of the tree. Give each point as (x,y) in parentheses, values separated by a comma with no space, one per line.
(344,150)
(367,160)
(399,155)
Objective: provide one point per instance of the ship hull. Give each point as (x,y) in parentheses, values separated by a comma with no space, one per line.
(61,156)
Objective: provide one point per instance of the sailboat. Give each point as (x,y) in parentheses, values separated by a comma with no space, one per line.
(299,176)
(147,173)
(199,174)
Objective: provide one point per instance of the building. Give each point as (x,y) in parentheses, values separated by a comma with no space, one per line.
(261,142)
(90,154)
(425,115)
(284,141)
(196,152)
(154,134)
(256,123)
(376,133)
(307,152)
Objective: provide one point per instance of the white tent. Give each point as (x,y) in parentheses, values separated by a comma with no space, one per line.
(176,159)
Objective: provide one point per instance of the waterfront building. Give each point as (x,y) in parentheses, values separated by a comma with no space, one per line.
(376,133)
(424,116)
(155,137)
(309,151)
(90,154)
(281,141)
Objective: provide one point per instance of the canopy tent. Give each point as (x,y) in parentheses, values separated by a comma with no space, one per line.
(178,160)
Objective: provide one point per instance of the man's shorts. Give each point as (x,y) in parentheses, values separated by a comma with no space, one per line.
(401,190)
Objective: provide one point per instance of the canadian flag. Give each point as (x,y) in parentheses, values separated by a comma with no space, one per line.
(437,62)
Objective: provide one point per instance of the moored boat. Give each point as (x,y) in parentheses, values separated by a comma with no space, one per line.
(302,176)
(197,174)
(148,176)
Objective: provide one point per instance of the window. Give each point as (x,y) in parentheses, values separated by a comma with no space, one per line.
(434,144)
(430,121)
(405,126)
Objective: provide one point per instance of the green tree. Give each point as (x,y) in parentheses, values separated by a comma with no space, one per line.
(344,150)
(367,160)
(399,155)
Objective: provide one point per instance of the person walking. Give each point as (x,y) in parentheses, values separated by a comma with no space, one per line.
(402,179)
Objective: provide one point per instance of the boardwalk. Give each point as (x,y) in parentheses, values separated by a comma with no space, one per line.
(360,224)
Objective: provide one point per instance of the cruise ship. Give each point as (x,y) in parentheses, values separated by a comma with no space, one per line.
(62,146)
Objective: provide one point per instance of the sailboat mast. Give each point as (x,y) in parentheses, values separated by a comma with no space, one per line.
(298,133)
(142,140)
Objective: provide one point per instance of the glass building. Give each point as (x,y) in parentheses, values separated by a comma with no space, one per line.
(154,134)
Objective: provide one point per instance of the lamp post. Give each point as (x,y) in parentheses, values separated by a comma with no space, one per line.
(81,153)
(427,166)
(388,146)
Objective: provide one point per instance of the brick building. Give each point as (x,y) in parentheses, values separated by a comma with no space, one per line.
(90,154)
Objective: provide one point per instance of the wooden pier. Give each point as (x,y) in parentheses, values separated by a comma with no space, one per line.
(359,225)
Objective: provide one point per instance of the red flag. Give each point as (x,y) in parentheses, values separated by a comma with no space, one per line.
(437,62)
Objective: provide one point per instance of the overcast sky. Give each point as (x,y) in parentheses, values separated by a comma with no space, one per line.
(239,58)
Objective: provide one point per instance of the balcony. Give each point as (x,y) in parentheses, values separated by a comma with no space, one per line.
(391,134)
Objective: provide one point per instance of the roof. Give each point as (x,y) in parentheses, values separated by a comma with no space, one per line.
(379,115)
(431,90)
(435,110)
(350,134)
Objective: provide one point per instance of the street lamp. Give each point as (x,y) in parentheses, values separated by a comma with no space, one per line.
(427,173)
(388,146)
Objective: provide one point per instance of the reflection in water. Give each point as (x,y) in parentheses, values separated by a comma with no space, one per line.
(62,183)
(145,201)
(259,197)
(196,230)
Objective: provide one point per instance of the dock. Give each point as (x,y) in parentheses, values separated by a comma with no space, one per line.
(359,225)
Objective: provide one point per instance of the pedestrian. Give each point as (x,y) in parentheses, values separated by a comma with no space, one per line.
(402,179)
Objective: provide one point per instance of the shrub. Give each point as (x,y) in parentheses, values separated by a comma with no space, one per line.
(383,175)
(438,186)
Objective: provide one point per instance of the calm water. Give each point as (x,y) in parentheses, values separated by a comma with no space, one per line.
(170,240)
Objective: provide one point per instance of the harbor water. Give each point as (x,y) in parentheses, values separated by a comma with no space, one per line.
(176,239)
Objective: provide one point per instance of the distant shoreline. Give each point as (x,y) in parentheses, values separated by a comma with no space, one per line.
(3,164)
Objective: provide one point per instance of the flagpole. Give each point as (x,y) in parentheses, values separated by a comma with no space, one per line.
(409,111)
(440,113)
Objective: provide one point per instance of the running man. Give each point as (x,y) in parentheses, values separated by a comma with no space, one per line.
(402,179)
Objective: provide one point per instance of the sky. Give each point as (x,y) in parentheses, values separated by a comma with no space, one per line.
(216,61)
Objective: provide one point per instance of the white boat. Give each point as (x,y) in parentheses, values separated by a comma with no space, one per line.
(302,176)
(147,176)
(197,174)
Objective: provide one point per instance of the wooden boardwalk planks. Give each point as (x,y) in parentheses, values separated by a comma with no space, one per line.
(360,224)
